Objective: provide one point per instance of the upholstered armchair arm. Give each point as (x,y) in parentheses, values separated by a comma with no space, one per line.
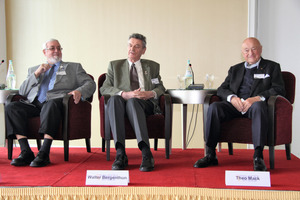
(74,114)
(280,117)
(13,97)
(168,104)
(104,100)
(168,119)
(209,99)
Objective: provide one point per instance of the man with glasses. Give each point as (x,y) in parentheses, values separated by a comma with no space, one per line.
(244,94)
(134,85)
(44,88)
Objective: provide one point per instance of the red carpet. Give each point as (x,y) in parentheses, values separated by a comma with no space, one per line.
(178,171)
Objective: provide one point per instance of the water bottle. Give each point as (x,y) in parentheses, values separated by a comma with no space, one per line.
(188,75)
(11,77)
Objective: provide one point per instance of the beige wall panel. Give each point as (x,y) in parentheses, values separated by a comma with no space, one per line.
(93,32)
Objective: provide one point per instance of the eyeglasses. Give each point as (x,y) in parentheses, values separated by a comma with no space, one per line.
(53,48)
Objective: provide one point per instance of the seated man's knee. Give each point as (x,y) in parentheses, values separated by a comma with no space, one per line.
(259,106)
(12,106)
(132,102)
(215,106)
(54,105)
(114,98)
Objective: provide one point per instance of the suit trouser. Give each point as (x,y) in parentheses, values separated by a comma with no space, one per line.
(219,112)
(136,110)
(17,114)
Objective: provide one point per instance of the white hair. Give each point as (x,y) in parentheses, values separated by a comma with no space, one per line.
(51,40)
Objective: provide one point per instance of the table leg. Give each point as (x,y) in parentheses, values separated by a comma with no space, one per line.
(183,124)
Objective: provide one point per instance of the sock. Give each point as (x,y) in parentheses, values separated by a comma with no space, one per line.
(145,149)
(120,149)
(258,152)
(46,146)
(210,151)
(24,145)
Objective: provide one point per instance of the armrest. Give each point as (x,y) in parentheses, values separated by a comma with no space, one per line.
(104,117)
(168,115)
(106,97)
(168,104)
(279,109)
(165,103)
(209,98)
(167,100)
(74,112)
(13,97)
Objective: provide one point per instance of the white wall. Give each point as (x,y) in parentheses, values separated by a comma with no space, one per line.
(4,65)
(2,42)
(279,32)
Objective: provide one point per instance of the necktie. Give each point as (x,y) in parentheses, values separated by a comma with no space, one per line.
(45,85)
(134,79)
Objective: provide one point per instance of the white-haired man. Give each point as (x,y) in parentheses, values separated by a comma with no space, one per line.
(44,88)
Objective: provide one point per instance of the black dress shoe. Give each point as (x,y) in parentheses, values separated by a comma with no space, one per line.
(147,164)
(208,160)
(24,158)
(41,160)
(259,164)
(120,163)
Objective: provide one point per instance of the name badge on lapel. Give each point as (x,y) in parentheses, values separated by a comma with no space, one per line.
(155,81)
(61,73)
(261,76)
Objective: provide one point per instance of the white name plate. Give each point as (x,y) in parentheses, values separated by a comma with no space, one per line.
(107,177)
(247,178)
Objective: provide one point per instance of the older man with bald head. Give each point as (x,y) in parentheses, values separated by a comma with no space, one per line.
(244,93)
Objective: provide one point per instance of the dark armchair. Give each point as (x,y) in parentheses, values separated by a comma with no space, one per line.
(159,126)
(76,124)
(280,121)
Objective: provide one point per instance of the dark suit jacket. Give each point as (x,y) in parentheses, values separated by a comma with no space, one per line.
(270,84)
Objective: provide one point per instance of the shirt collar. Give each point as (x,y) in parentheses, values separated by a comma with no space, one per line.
(58,63)
(253,65)
(136,63)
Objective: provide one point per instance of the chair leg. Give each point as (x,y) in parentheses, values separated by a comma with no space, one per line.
(103,145)
(88,144)
(66,150)
(219,147)
(38,143)
(230,148)
(271,155)
(167,149)
(155,144)
(107,150)
(9,148)
(288,151)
